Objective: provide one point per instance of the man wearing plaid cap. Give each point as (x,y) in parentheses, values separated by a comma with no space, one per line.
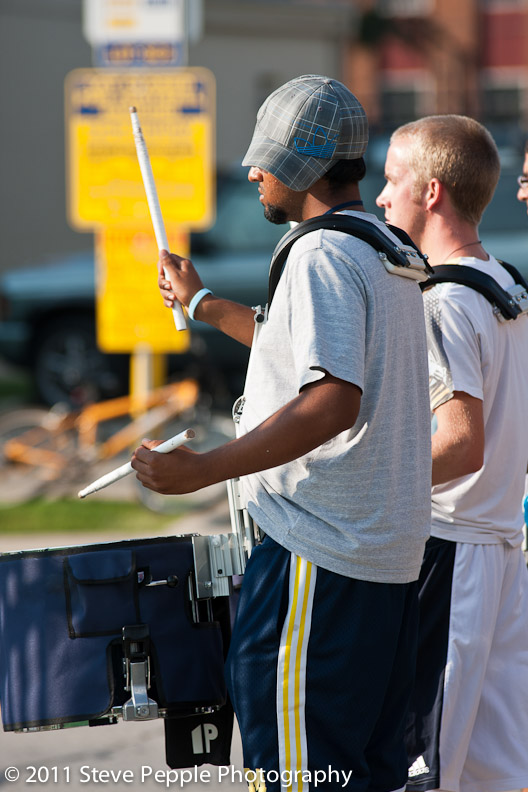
(334,457)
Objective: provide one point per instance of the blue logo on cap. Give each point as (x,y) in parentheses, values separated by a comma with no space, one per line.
(324,150)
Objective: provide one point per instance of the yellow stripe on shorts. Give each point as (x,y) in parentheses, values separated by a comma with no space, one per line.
(291,676)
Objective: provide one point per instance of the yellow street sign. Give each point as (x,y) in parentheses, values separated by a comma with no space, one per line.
(129,309)
(176,112)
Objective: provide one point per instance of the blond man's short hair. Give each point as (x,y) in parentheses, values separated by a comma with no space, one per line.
(460,153)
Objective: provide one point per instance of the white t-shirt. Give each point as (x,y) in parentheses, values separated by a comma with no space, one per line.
(358,505)
(471,351)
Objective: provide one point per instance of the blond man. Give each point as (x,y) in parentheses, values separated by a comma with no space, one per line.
(469,714)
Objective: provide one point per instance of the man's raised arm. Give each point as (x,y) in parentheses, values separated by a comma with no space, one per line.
(184,284)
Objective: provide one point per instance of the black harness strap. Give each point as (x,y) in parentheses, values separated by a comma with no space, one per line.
(479,281)
(374,236)
(516,275)
(362,229)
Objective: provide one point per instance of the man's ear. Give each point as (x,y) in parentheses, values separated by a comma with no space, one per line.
(434,192)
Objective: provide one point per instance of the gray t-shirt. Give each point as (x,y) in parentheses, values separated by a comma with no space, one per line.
(358,505)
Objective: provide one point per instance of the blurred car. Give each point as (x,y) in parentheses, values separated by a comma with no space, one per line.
(47,312)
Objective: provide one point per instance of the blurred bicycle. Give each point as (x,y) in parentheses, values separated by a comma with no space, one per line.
(60,447)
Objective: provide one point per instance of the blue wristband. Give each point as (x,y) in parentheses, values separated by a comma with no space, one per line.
(195,300)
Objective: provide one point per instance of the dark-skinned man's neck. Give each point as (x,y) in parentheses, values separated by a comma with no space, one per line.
(321,199)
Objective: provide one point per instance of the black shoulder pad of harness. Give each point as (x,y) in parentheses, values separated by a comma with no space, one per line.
(516,275)
(481,282)
(356,226)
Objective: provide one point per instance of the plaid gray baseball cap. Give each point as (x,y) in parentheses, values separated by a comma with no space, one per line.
(305,127)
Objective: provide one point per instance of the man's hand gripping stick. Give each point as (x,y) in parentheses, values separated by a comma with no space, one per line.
(124,470)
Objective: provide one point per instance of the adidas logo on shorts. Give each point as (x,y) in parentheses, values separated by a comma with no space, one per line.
(418,767)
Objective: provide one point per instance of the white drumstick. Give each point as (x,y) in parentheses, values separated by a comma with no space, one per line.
(124,470)
(153,203)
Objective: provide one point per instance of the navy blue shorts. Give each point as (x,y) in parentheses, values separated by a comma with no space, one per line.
(320,671)
(425,711)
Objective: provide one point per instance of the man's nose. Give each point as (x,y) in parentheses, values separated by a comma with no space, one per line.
(380,200)
(254,174)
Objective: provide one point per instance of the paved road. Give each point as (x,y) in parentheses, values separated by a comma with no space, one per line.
(78,758)
(123,756)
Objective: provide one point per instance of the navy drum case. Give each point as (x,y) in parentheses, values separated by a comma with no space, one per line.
(92,633)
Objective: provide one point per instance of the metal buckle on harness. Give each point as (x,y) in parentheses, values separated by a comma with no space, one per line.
(238,408)
(412,265)
(217,558)
(518,299)
(261,314)
(136,663)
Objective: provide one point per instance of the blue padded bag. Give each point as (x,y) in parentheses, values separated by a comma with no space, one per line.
(61,615)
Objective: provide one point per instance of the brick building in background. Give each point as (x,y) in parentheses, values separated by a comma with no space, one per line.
(416,57)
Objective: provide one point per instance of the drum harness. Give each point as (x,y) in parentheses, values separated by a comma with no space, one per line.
(507,304)
(399,258)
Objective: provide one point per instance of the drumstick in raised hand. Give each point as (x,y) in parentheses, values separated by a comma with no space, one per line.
(153,203)
(124,470)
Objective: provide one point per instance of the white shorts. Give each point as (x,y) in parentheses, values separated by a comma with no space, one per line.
(481,704)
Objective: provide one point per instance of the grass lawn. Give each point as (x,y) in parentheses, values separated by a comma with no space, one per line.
(70,516)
